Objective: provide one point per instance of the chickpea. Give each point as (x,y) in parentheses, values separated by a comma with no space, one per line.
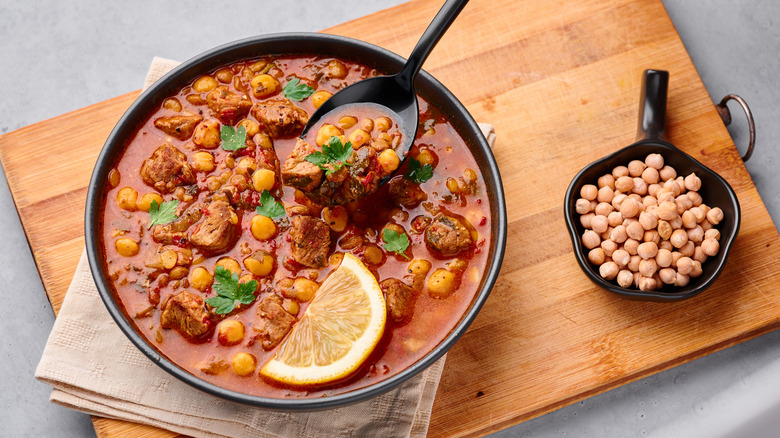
(126,199)
(325,133)
(603,208)
(625,278)
(204,84)
(597,256)
(383,124)
(427,156)
(605,194)
(609,247)
(617,200)
(648,221)
(263,179)
(358,138)
(585,219)
(262,140)
(698,255)
(664,230)
(665,244)
(172,104)
(710,247)
(688,249)
(619,234)
(207,134)
(715,215)
(145,203)
(336,69)
(650,176)
(419,267)
(262,227)
(606,181)
(599,224)
(260,264)
(636,167)
(621,257)
(682,280)
(692,182)
(203,161)
(647,267)
(373,255)
(663,258)
(591,239)
(652,190)
(624,184)
(635,230)
(685,265)
(336,217)
(712,234)
(244,364)
(336,258)
(696,270)
(695,198)
(651,236)
(319,97)
(619,171)
(252,127)
(389,161)
(655,161)
(696,234)
(647,283)
(302,290)
(264,85)
(346,122)
(179,272)
(633,263)
(647,250)
(230,332)
(201,278)
(442,283)
(679,238)
(291,306)
(126,247)
(614,218)
(631,245)
(229,264)
(629,208)
(224,75)
(683,204)
(609,270)
(688,219)
(640,188)
(666,173)
(667,210)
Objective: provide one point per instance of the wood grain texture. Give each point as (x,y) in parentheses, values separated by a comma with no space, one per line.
(560,82)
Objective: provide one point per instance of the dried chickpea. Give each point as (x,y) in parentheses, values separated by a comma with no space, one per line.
(609,247)
(244,364)
(609,270)
(636,167)
(319,97)
(618,234)
(663,258)
(692,182)
(617,200)
(652,190)
(589,192)
(696,270)
(710,247)
(264,85)
(263,179)
(230,332)
(625,278)
(684,265)
(606,181)
(679,238)
(591,239)
(126,247)
(651,176)
(619,171)
(667,210)
(668,275)
(651,236)
(597,256)
(640,187)
(633,263)
(712,234)
(624,184)
(582,205)
(688,219)
(614,219)
(621,257)
(145,203)
(126,199)
(648,221)
(631,245)
(229,264)
(666,173)
(586,218)
(682,280)
(262,227)
(715,215)
(665,244)
(687,249)
(695,198)
(635,230)
(201,278)
(599,224)
(629,208)
(204,84)
(698,254)
(647,250)
(648,267)
(695,234)
(603,208)
(655,161)
(605,194)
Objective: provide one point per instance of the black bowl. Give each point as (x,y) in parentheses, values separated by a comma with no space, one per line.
(715,192)
(305,44)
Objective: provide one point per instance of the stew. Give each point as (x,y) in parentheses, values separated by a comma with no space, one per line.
(215,183)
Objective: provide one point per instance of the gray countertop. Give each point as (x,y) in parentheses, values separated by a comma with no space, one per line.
(61,56)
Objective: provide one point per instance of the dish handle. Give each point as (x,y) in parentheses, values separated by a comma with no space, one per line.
(725,115)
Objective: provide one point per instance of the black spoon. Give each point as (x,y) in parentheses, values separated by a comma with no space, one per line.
(395,93)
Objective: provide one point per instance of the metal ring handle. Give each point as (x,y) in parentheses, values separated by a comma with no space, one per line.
(725,115)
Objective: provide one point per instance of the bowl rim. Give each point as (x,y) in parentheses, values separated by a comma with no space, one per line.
(726,242)
(116,142)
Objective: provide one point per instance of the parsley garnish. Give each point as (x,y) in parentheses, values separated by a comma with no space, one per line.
(418,173)
(296,91)
(395,242)
(334,153)
(269,206)
(233,139)
(230,292)
(162,214)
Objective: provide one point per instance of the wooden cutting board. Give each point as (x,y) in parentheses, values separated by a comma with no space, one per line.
(560,82)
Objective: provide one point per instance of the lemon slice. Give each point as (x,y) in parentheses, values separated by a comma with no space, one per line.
(338,331)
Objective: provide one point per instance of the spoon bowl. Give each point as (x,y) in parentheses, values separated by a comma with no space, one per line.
(715,191)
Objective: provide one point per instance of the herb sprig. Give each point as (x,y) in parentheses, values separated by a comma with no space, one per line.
(160,214)
(417,172)
(233,139)
(395,242)
(230,292)
(294,90)
(333,157)
(269,206)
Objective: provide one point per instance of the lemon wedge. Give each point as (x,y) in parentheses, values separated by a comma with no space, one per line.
(338,331)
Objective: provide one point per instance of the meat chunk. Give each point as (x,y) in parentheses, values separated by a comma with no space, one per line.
(219,231)
(186,313)
(166,169)
(181,126)
(227,106)
(310,241)
(447,235)
(214,365)
(400,299)
(280,117)
(274,322)
(406,193)
(299,173)
(175,233)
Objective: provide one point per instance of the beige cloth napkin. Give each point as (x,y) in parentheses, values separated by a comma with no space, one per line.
(94,368)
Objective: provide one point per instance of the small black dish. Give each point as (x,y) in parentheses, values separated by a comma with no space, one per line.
(715,191)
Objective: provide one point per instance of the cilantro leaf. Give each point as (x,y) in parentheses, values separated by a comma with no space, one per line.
(395,242)
(333,157)
(417,172)
(230,292)
(164,213)
(233,139)
(294,90)
(269,206)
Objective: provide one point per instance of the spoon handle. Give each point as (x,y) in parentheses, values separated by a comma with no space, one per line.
(441,22)
(652,105)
